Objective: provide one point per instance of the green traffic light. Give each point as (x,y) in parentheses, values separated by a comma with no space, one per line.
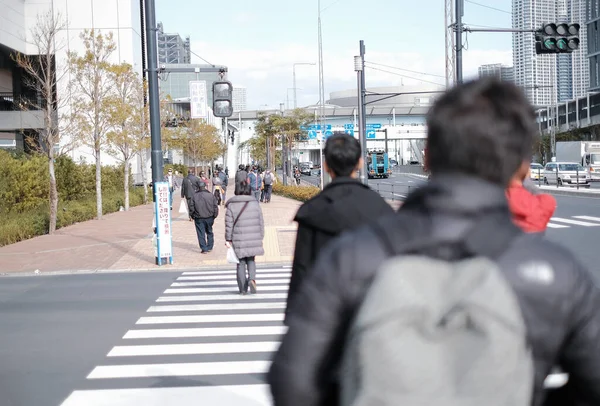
(549,44)
(562,44)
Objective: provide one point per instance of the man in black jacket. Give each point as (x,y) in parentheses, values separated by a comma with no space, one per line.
(189,186)
(204,210)
(344,204)
(479,135)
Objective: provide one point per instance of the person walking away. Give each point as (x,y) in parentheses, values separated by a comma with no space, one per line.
(189,186)
(255,183)
(241,175)
(244,231)
(204,210)
(268,181)
(170,178)
(345,204)
(217,188)
(531,212)
(224,182)
(450,259)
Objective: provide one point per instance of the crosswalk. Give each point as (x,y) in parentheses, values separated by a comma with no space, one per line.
(578,221)
(201,343)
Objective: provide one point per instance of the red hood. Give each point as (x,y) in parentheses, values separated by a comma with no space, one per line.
(530,212)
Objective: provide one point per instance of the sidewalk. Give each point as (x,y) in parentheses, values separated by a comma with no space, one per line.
(123,241)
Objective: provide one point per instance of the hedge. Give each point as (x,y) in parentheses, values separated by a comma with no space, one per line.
(301,193)
(24,210)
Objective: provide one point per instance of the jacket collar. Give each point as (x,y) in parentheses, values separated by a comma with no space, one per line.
(343,180)
(460,194)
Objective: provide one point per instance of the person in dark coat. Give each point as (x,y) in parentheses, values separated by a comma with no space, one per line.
(344,204)
(204,209)
(241,175)
(189,186)
(479,136)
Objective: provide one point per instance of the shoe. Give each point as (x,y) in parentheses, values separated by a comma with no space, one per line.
(204,252)
(252,286)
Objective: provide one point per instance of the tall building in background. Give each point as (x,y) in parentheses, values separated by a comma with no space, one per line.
(593,34)
(172,49)
(239,98)
(506,73)
(548,79)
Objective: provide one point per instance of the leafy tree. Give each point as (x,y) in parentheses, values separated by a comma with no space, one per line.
(275,128)
(92,86)
(44,77)
(200,142)
(127,134)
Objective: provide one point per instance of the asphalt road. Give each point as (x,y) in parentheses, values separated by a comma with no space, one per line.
(147,339)
(55,329)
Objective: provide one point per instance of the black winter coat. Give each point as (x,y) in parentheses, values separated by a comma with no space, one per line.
(344,204)
(559,299)
(204,205)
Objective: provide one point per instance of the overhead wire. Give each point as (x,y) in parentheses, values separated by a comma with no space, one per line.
(404,76)
(405,70)
(488,7)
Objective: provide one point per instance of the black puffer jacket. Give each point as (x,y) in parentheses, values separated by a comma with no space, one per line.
(345,204)
(561,307)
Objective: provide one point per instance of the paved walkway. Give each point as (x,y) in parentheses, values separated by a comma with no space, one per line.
(123,241)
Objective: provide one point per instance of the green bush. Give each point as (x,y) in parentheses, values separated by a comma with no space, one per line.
(16,227)
(301,193)
(24,186)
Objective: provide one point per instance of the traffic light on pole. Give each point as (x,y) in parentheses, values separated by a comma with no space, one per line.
(222,99)
(557,38)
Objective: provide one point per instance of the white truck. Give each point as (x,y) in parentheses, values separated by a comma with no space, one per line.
(586,153)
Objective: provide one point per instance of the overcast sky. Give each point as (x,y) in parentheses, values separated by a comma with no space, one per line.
(260,41)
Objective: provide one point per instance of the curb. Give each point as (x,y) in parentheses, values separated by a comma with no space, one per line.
(164,268)
(573,193)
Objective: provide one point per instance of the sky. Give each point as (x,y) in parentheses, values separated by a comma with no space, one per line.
(260,40)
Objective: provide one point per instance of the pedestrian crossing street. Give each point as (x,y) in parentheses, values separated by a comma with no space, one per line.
(201,343)
(577,221)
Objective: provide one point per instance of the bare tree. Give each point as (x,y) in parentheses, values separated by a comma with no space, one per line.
(44,78)
(92,85)
(126,137)
(142,133)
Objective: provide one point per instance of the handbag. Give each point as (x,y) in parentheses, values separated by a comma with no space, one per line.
(231,255)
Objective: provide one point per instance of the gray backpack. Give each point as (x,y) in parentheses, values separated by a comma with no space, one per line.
(433,332)
(268,179)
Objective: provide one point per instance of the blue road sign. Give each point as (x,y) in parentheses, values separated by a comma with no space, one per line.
(349,132)
(370,133)
(373,126)
(312,134)
(348,126)
(328,133)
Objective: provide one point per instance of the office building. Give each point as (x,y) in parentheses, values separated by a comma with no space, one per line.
(18,18)
(498,70)
(548,79)
(172,49)
(593,34)
(239,98)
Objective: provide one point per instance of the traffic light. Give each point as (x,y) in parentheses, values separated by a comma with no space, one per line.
(222,95)
(557,38)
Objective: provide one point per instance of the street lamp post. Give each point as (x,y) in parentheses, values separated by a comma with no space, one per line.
(359,67)
(294,72)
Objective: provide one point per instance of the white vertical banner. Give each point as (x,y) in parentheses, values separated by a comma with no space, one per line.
(198,99)
(164,246)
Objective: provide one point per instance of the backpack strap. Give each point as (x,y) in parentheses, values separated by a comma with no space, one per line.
(239,215)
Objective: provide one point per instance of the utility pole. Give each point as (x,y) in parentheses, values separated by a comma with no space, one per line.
(359,67)
(284,147)
(449,38)
(321,94)
(459,45)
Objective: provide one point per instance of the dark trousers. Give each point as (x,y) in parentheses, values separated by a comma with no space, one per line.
(242,279)
(268,189)
(204,230)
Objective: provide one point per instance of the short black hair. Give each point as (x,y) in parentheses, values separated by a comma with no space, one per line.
(242,188)
(241,167)
(342,153)
(483,128)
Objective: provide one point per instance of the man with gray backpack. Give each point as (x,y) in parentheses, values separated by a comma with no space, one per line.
(447,302)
